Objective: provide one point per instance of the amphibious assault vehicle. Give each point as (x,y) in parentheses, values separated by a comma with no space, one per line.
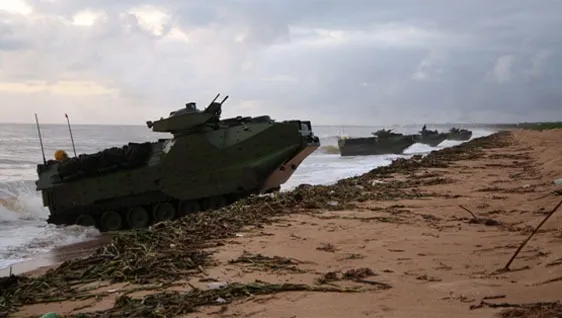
(207,164)
(383,142)
(459,134)
(431,138)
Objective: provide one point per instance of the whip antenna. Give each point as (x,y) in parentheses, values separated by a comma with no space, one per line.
(71,138)
(40,139)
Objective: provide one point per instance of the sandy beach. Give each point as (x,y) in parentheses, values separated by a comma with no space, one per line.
(425,237)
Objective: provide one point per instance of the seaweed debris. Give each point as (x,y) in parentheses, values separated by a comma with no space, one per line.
(275,263)
(175,250)
(173,304)
(357,275)
(538,310)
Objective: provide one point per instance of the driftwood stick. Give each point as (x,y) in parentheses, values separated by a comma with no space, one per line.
(555,192)
(531,235)
(467,210)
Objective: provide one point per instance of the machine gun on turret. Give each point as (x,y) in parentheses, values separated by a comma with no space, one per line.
(384,133)
(189,118)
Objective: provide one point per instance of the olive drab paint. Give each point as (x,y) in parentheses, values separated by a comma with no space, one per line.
(382,142)
(387,142)
(206,164)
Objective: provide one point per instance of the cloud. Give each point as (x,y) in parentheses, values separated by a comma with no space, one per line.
(430,69)
(334,62)
(501,73)
(538,63)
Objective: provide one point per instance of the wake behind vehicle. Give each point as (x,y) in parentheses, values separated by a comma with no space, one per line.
(207,164)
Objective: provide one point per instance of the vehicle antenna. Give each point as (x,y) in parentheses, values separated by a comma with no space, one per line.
(40,139)
(71,138)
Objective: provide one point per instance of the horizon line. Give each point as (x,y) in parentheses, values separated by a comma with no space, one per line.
(317,125)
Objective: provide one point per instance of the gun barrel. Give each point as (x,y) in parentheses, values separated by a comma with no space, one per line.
(214,99)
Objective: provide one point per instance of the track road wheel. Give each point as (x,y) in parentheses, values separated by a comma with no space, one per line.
(163,212)
(189,206)
(274,190)
(111,221)
(137,217)
(214,203)
(85,220)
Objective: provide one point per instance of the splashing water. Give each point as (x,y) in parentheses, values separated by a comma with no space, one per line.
(23,227)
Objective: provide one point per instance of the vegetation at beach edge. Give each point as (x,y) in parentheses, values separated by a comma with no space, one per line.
(542,126)
(531,125)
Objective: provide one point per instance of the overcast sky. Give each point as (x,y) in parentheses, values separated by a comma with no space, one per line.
(349,62)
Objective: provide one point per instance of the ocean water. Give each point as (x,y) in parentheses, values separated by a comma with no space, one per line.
(24,231)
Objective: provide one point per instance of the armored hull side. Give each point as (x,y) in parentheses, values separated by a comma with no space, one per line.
(430,140)
(369,146)
(198,170)
(460,136)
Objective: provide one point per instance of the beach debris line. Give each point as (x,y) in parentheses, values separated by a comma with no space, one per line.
(173,304)
(177,250)
(275,263)
(540,309)
(470,150)
(357,275)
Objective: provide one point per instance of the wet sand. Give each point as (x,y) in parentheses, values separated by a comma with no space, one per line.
(40,263)
(422,256)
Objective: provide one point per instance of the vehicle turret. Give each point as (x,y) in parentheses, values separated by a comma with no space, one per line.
(428,137)
(189,118)
(459,134)
(385,133)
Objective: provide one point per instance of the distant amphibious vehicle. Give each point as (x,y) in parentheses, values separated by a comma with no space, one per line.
(207,164)
(459,134)
(431,138)
(383,142)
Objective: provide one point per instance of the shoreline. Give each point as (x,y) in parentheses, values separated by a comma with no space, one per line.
(396,241)
(39,263)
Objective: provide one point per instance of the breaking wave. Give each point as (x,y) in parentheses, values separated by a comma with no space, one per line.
(22,212)
(20,201)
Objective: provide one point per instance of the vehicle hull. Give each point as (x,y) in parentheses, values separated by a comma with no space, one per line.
(430,140)
(462,136)
(197,171)
(369,146)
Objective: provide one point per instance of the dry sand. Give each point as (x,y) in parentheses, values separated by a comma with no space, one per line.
(430,257)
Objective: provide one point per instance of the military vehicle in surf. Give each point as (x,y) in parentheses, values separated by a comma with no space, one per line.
(459,134)
(206,164)
(428,137)
(381,143)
